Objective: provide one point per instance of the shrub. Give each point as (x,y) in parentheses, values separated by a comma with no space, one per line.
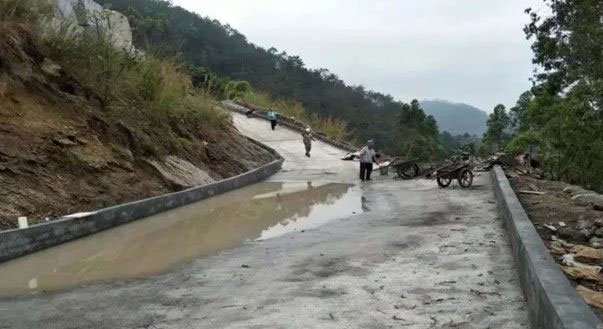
(520,143)
(237,89)
(333,128)
(153,97)
(137,87)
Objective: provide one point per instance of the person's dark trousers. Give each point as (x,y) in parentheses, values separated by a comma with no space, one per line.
(273,124)
(365,171)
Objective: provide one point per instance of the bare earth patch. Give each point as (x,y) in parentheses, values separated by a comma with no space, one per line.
(567,219)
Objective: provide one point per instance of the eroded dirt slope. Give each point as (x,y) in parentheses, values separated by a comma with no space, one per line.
(60,152)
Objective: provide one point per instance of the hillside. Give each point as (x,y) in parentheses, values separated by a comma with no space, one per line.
(217,52)
(76,139)
(456,118)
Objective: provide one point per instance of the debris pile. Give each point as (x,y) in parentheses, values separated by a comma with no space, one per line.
(583,265)
(513,167)
(569,219)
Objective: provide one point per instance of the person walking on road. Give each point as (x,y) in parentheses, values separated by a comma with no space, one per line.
(367,157)
(307,137)
(272,118)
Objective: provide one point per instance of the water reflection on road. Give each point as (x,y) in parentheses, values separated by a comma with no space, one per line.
(163,241)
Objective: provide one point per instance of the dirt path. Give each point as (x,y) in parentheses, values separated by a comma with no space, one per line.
(415,257)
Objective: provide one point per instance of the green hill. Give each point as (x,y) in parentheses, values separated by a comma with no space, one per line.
(456,118)
(216,53)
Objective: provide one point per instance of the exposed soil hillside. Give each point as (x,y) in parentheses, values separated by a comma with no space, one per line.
(570,222)
(61,152)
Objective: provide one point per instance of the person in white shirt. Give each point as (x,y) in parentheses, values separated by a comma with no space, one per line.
(307,138)
(367,157)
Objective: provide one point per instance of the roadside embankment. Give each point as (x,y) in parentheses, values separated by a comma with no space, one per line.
(18,242)
(553,303)
(77,135)
(569,220)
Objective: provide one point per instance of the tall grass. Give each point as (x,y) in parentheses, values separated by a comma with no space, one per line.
(19,37)
(329,126)
(151,95)
(24,11)
(141,89)
(333,128)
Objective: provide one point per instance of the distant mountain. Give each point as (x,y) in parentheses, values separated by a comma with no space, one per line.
(456,118)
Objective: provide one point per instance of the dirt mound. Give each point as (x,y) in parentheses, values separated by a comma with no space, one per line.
(567,219)
(61,152)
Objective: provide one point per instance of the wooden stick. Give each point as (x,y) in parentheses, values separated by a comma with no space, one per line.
(532,192)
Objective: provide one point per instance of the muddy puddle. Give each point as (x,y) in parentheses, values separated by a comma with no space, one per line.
(161,242)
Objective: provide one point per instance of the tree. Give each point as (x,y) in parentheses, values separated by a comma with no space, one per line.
(568,44)
(236,89)
(168,30)
(518,113)
(563,113)
(498,126)
(448,142)
(417,134)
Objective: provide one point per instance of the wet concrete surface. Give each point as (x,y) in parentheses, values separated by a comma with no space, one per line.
(161,242)
(324,162)
(416,257)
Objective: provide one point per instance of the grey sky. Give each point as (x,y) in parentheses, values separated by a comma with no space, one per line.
(471,51)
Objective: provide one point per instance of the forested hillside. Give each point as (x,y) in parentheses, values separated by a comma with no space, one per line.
(218,53)
(456,118)
(561,118)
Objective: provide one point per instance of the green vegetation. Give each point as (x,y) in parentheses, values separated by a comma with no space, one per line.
(144,90)
(291,109)
(329,126)
(154,96)
(218,53)
(23,11)
(562,116)
(417,132)
(190,60)
(498,128)
(237,89)
(469,144)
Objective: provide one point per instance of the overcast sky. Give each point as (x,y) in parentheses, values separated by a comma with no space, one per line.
(471,51)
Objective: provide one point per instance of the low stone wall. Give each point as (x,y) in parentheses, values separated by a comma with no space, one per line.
(289,123)
(552,302)
(19,242)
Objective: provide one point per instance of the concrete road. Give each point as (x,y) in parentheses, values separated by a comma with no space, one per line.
(416,257)
(324,163)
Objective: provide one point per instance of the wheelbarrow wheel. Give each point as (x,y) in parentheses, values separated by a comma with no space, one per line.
(465,178)
(444,181)
(408,171)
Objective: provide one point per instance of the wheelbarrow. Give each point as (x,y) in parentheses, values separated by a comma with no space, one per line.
(405,168)
(460,171)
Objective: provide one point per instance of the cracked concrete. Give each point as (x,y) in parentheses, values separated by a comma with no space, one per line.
(417,257)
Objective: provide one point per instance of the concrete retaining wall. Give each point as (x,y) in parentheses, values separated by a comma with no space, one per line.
(553,303)
(19,242)
(289,123)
